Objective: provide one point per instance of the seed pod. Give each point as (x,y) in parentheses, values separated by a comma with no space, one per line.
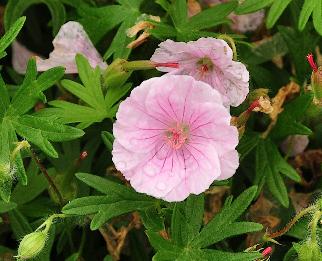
(31,245)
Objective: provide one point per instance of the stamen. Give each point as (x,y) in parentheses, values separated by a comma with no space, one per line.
(313,65)
(177,136)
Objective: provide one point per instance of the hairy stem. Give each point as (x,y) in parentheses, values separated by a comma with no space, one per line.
(49,179)
(298,216)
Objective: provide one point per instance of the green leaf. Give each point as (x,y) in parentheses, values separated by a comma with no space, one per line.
(247,143)
(7,206)
(306,11)
(36,185)
(250,6)
(16,8)
(266,50)
(19,224)
(269,165)
(31,89)
(276,11)
(317,16)
(288,122)
(108,187)
(10,35)
(299,45)
(119,200)
(118,46)
(108,139)
(5,163)
(152,220)
(187,219)
(179,13)
(95,109)
(40,131)
(226,231)
(212,232)
(114,94)
(212,16)
(99,21)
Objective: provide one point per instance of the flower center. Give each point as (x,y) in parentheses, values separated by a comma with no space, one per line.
(205,65)
(177,136)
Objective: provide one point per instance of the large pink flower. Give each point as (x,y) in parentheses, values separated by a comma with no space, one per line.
(209,60)
(173,138)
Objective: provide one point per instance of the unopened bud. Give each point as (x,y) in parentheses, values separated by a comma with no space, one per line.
(316,80)
(31,245)
(308,251)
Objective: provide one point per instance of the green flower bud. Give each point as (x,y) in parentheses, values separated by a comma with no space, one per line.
(32,244)
(308,251)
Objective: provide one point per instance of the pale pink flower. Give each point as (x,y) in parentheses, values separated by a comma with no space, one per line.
(242,23)
(294,144)
(70,40)
(173,137)
(209,60)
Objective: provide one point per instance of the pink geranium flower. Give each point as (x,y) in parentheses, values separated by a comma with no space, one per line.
(209,60)
(173,137)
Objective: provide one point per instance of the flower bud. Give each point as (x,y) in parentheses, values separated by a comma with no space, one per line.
(308,251)
(32,244)
(316,80)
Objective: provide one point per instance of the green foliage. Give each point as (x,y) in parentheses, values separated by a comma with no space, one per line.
(15,8)
(118,200)
(39,131)
(89,101)
(185,28)
(189,240)
(277,7)
(98,106)
(11,34)
(269,165)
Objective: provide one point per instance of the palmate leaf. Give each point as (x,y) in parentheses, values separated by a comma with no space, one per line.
(99,21)
(188,242)
(10,35)
(97,105)
(269,167)
(37,130)
(118,200)
(185,28)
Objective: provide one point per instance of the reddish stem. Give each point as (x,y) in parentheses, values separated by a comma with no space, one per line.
(313,65)
(253,105)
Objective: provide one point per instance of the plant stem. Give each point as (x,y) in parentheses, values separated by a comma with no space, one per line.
(314,223)
(298,216)
(49,179)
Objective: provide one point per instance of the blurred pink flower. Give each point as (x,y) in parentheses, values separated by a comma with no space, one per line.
(70,40)
(242,23)
(209,60)
(294,144)
(173,138)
